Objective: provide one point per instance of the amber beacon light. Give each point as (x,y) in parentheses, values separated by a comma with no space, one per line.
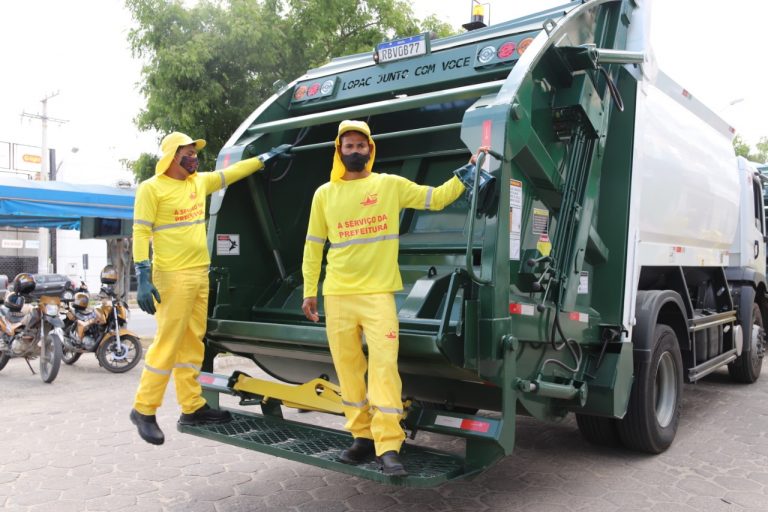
(478,15)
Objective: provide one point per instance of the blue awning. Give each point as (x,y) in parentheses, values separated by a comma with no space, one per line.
(57,204)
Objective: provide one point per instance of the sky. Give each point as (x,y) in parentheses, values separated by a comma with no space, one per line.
(78,50)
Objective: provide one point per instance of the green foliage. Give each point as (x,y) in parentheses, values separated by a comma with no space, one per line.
(143,168)
(210,65)
(744,149)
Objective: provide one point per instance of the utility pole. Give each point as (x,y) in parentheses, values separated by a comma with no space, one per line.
(44,249)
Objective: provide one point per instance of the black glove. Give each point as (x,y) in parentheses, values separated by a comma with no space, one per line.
(486,188)
(281,152)
(146,294)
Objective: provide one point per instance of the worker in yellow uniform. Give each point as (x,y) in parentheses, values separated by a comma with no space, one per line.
(169,211)
(357,211)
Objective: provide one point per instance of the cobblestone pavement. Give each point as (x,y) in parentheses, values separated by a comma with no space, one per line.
(69,446)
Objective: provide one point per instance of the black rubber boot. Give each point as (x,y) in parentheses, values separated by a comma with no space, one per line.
(361,450)
(391,465)
(205,415)
(147,426)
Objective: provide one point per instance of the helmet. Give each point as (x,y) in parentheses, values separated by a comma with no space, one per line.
(24,283)
(109,275)
(14,302)
(80,301)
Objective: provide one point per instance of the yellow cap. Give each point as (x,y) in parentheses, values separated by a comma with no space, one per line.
(338,170)
(170,144)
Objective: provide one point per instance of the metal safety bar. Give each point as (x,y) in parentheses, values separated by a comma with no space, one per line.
(384,136)
(471,231)
(619,57)
(378,107)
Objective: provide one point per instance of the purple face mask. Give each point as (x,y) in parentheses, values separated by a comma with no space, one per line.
(189,163)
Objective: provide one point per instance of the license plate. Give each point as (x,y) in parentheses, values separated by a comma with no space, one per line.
(402,48)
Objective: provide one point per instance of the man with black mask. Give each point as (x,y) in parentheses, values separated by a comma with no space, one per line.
(357,211)
(169,213)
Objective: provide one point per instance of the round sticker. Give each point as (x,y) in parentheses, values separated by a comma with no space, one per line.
(300,92)
(327,87)
(506,50)
(486,54)
(524,45)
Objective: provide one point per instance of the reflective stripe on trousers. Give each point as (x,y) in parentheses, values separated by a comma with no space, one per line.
(178,347)
(347,317)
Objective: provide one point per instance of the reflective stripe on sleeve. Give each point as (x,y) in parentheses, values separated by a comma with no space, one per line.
(428,200)
(364,241)
(355,404)
(223,181)
(156,370)
(142,222)
(179,225)
(319,240)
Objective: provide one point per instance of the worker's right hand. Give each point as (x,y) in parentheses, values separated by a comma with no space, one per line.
(309,307)
(146,293)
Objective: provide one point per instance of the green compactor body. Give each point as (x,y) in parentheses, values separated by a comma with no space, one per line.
(520,311)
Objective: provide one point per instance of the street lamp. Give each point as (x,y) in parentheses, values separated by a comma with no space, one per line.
(55,174)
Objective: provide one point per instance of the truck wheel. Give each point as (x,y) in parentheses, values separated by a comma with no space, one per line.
(655,401)
(598,430)
(746,368)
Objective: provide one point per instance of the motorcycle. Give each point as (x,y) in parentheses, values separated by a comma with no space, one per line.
(70,290)
(101,329)
(31,329)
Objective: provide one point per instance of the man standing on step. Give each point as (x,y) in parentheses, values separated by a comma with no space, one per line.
(357,211)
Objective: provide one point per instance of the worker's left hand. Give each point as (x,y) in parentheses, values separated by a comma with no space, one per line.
(309,307)
(280,152)
(481,149)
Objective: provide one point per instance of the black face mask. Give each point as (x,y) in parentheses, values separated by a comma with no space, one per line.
(355,162)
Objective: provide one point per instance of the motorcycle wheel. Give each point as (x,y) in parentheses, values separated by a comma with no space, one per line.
(4,358)
(50,364)
(70,356)
(120,362)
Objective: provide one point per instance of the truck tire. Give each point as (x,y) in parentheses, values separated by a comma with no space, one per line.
(746,368)
(655,401)
(598,431)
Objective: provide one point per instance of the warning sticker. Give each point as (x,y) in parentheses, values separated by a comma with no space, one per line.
(515,217)
(583,283)
(540,224)
(544,245)
(515,193)
(228,245)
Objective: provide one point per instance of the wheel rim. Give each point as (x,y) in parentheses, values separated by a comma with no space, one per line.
(47,362)
(665,389)
(120,359)
(758,341)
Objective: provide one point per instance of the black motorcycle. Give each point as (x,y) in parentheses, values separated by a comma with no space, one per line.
(31,329)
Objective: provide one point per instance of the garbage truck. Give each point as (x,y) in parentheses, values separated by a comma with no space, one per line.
(624,256)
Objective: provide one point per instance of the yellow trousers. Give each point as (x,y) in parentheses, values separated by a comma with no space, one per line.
(375,415)
(178,345)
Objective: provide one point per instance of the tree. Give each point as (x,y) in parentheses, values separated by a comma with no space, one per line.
(744,149)
(209,66)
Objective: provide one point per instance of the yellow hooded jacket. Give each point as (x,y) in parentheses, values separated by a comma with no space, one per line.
(171,213)
(360,218)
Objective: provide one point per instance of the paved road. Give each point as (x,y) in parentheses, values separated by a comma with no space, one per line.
(69,446)
(142,323)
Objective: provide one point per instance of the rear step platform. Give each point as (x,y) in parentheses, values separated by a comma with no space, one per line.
(320,446)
